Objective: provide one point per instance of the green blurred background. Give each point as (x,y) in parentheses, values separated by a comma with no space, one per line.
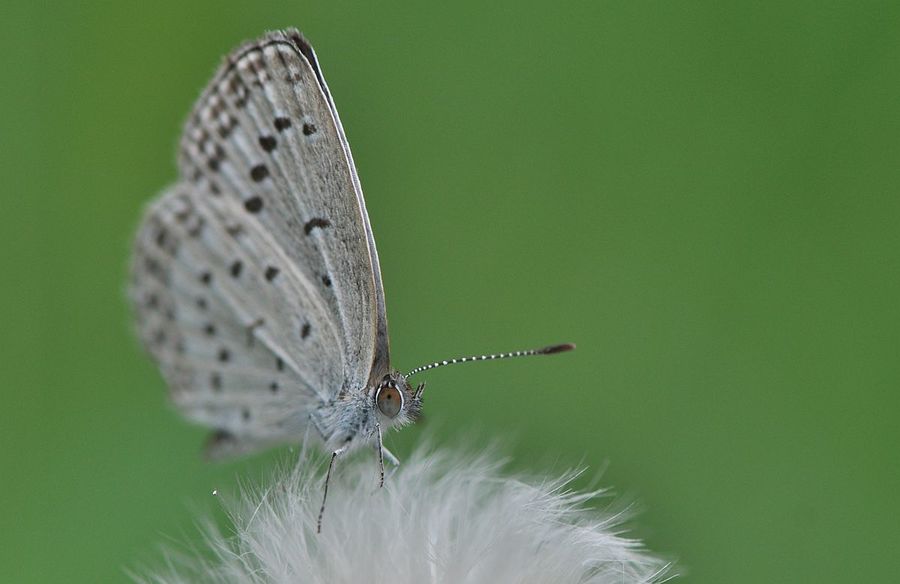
(702,195)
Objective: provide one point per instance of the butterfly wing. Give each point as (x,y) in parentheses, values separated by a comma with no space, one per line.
(265,241)
(223,326)
(381,363)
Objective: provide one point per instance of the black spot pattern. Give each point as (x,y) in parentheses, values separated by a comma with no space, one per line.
(238,90)
(319,222)
(327,281)
(282,124)
(271,272)
(305,330)
(309,129)
(236,268)
(197,228)
(259,172)
(209,329)
(224,355)
(268,143)
(251,328)
(206,278)
(226,128)
(253,204)
(274,387)
(215,160)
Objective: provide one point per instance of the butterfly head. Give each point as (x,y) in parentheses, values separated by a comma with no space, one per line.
(396,401)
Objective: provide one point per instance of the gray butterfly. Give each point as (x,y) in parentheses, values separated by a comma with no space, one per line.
(255,280)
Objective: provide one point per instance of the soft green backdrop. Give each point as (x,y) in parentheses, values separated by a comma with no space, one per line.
(702,195)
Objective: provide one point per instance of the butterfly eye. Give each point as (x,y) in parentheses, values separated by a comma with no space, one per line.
(389,401)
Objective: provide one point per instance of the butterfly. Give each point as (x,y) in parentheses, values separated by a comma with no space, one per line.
(255,279)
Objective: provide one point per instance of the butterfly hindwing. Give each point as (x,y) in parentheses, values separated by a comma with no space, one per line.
(226,334)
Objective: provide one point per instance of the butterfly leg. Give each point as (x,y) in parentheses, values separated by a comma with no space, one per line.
(334,456)
(383,453)
(314,422)
(380,449)
(390,456)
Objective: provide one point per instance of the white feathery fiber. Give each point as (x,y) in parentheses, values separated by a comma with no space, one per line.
(442,517)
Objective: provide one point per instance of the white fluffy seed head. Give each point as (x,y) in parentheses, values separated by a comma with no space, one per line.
(441,517)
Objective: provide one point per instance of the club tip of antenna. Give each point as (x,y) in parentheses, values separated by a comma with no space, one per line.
(557,349)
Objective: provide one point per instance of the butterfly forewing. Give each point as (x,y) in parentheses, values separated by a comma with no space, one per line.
(381,363)
(255,280)
(264,134)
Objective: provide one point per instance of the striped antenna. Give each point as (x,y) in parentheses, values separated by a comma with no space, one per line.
(544,351)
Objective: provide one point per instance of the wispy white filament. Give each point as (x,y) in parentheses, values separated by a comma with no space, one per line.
(441,517)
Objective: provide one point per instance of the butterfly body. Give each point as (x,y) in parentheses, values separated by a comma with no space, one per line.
(353,418)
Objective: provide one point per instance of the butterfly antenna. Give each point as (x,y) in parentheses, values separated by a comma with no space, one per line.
(553,349)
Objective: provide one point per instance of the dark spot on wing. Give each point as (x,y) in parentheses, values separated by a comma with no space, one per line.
(327,281)
(319,222)
(274,387)
(209,329)
(219,437)
(305,330)
(245,413)
(251,328)
(215,380)
(282,124)
(236,88)
(259,172)
(309,129)
(224,355)
(206,278)
(197,228)
(236,268)
(152,266)
(226,128)
(267,143)
(271,272)
(201,303)
(279,364)
(183,213)
(215,159)
(253,204)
